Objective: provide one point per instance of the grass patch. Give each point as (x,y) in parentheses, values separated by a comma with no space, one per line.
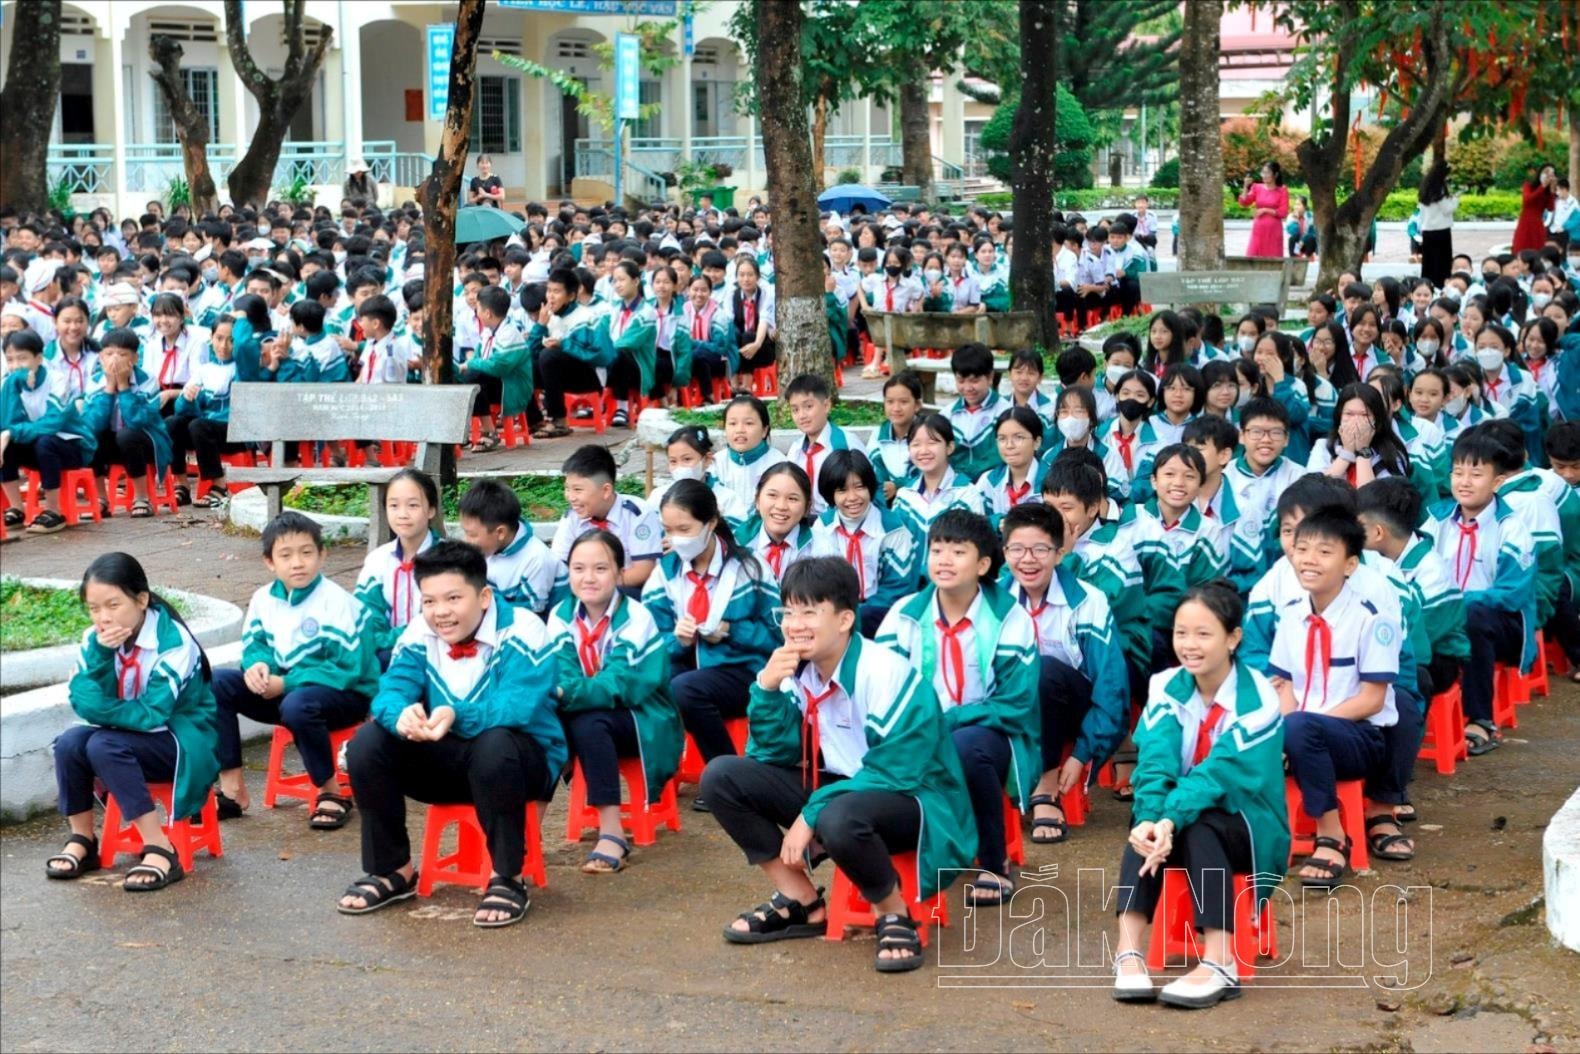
(1494,205)
(1137,326)
(43,616)
(542,497)
(846,413)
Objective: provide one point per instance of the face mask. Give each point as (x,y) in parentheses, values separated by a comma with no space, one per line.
(263,230)
(1131,409)
(1488,277)
(1489,359)
(211,274)
(1427,348)
(696,472)
(1243,398)
(689,549)
(1115,374)
(1455,406)
(1247,345)
(255,262)
(933,276)
(1074,429)
(1453,292)
(1541,300)
(892,271)
(340,257)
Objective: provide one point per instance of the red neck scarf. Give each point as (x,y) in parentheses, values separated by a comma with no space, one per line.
(698,606)
(1016,494)
(587,641)
(128,673)
(812,733)
(400,613)
(1464,564)
(167,368)
(853,554)
(1125,442)
(775,556)
(1319,649)
(811,449)
(954,655)
(1204,734)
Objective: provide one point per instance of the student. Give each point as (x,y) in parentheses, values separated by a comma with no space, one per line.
(564,350)
(386,358)
(1025,382)
(628,333)
(938,488)
(960,287)
(890,449)
(141,691)
(848,749)
(464,715)
(387,586)
(1170,531)
(1253,480)
(201,418)
(751,306)
(976,646)
(1093,276)
(521,569)
(501,366)
(1082,684)
(809,399)
(712,340)
(122,414)
(313,344)
(746,432)
(1209,775)
(874,540)
(1165,343)
(613,689)
(1019,432)
(1563,450)
(1334,661)
(672,364)
(972,416)
(1363,445)
(779,531)
(1423,441)
(72,359)
(39,431)
(591,501)
(714,604)
(689,451)
(307,663)
(1507,384)
(1075,426)
(1127,433)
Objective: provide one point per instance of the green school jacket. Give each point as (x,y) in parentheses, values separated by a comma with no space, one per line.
(909,751)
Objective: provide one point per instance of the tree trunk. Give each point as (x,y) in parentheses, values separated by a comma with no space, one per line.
(819,136)
(249,181)
(32,91)
(1574,145)
(1032,147)
(916,134)
(190,124)
(792,195)
(1201,152)
(278,98)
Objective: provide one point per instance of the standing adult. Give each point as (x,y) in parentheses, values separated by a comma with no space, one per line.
(1437,225)
(1269,202)
(486,188)
(1536,197)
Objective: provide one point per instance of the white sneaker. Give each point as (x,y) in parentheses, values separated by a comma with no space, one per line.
(1219,984)
(1133,987)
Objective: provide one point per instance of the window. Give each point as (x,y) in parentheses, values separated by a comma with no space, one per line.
(203,86)
(496,119)
(649,92)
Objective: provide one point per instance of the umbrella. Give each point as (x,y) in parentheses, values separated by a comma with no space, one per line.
(484,223)
(846,196)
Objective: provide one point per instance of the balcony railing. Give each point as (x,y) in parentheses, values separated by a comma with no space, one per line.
(150,167)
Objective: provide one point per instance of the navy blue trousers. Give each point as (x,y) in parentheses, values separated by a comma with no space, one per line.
(1066,696)
(310,712)
(599,739)
(1323,750)
(985,756)
(706,697)
(1495,636)
(126,762)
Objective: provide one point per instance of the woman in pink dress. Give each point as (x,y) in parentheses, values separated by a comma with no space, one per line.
(1536,197)
(1269,201)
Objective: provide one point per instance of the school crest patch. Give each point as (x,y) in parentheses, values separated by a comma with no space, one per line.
(1384,633)
(310,628)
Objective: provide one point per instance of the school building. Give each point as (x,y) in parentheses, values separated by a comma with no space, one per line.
(112,139)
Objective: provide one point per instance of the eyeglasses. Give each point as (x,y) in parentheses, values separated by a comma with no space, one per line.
(1013,438)
(1041,552)
(1265,433)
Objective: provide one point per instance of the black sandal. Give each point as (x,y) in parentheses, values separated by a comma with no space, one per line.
(989,894)
(47,522)
(1061,827)
(485,443)
(14,517)
(216,498)
(503,894)
(765,924)
(79,866)
(1401,816)
(897,933)
(377,892)
(330,819)
(183,494)
(227,807)
(141,510)
(1334,868)
(1480,740)
(550,430)
(603,863)
(1382,845)
(162,878)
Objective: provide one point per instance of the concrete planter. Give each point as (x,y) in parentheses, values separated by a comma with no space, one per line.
(1561,873)
(656,425)
(212,621)
(248,509)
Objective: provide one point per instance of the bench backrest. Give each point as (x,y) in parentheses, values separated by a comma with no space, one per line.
(1215,287)
(938,329)
(408,413)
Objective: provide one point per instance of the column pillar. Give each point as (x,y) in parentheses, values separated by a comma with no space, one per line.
(117,119)
(350,82)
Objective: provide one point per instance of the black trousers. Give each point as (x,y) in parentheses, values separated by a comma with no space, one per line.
(563,374)
(497,771)
(490,391)
(706,697)
(766,356)
(49,456)
(1564,626)
(179,426)
(599,739)
(756,802)
(207,440)
(1066,696)
(129,448)
(1494,637)
(1389,783)
(1211,850)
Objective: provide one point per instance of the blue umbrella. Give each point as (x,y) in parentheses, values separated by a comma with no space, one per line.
(844,197)
(484,223)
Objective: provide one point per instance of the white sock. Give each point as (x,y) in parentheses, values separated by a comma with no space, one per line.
(620,406)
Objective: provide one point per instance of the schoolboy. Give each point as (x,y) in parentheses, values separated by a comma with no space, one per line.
(520,568)
(501,365)
(1253,480)
(307,663)
(591,502)
(974,414)
(810,403)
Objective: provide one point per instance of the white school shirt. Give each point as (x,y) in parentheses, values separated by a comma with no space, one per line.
(40,319)
(174,365)
(1064,269)
(847,283)
(737,487)
(1365,649)
(1471,556)
(399,588)
(1194,711)
(974,691)
(842,717)
(1056,618)
(899,297)
(523,571)
(964,291)
(384,361)
(799,453)
(827,541)
(460,676)
(71,380)
(637,526)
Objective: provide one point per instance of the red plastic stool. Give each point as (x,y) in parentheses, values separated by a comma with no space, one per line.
(122,496)
(187,836)
(600,403)
(1554,657)
(765,381)
(1014,841)
(691,763)
(690,397)
(1352,814)
(643,817)
(277,784)
(469,865)
(1444,742)
(1174,925)
(79,496)
(1507,684)
(1536,681)
(1078,802)
(847,907)
(513,428)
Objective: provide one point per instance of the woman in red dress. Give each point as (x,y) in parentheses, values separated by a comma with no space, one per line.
(1269,202)
(1536,197)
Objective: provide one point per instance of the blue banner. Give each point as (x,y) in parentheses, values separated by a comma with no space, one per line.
(639,8)
(441,42)
(627,76)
